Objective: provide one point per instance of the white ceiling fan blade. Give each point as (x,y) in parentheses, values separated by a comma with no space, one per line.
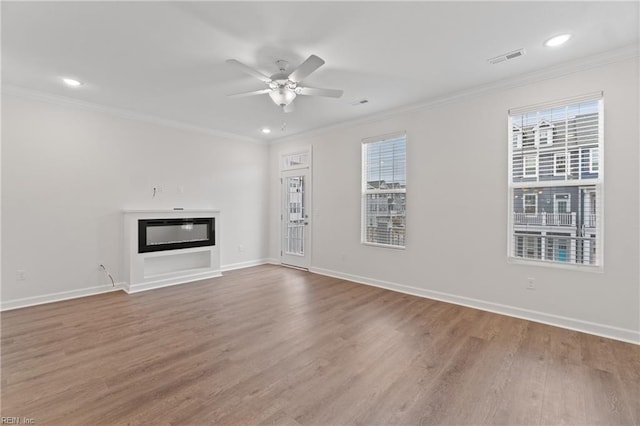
(247,69)
(255,92)
(307,67)
(289,108)
(312,91)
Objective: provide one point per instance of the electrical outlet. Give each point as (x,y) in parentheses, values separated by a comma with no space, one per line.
(531,283)
(21,275)
(240,248)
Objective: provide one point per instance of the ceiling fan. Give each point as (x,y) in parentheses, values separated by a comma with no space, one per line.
(284,87)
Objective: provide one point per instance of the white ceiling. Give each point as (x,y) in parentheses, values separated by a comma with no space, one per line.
(167,60)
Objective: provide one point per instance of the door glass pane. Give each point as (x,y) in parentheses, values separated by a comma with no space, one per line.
(294,215)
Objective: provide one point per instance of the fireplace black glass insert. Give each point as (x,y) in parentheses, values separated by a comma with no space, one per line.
(172,234)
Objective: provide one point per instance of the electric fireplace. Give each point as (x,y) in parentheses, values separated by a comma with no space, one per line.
(175,233)
(166,247)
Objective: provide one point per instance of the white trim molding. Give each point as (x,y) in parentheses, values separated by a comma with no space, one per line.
(8,305)
(25,302)
(582,64)
(184,279)
(32,94)
(569,67)
(247,264)
(602,330)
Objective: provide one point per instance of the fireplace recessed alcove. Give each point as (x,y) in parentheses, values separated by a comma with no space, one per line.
(169,246)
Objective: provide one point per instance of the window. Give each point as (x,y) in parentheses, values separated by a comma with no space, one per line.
(517,137)
(555,212)
(384,191)
(593,160)
(543,133)
(530,203)
(295,160)
(559,164)
(531,166)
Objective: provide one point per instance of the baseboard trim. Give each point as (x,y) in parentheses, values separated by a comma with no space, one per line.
(242,265)
(58,297)
(602,330)
(26,302)
(152,285)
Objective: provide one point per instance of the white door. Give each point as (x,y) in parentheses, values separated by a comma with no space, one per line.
(295,218)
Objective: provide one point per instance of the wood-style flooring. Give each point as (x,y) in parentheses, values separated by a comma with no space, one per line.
(271,345)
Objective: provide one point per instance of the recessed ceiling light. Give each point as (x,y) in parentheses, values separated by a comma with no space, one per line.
(266,130)
(557,40)
(71,82)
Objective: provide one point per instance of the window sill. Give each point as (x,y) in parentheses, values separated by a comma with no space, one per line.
(387,246)
(599,269)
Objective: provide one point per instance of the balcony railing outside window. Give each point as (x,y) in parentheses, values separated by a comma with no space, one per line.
(545,219)
(556,248)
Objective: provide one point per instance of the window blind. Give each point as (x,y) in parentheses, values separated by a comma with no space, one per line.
(555,183)
(384,190)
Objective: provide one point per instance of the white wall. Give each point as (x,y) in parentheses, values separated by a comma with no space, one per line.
(67,172)
(457,208)
(71,171)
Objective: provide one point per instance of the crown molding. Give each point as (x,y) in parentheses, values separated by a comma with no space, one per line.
(119,112)
(570,67)
(594,61)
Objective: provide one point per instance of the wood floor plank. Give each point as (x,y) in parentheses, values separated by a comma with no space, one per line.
(563,400)
(272,345)
(603,399)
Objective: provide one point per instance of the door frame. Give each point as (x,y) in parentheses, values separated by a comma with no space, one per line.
(556,201)
(308,194)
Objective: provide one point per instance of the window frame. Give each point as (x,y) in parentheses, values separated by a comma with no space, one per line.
(591,168)
(535,203)
(524,165)
(518,181)
(555,163)
(539,141)
(305,151)
(365,191)
(556,199)
(519,137)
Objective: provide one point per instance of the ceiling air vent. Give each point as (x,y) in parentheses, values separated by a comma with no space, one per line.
(506,56)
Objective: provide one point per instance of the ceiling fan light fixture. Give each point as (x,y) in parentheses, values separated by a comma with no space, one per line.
(282,96)
(282,87)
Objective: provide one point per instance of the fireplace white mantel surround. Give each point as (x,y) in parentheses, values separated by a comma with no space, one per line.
(156,268)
